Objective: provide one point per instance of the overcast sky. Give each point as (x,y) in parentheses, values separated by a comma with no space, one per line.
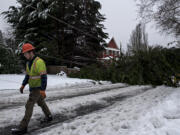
(121,19)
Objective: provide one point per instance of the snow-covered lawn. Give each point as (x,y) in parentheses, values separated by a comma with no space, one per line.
(126,110)
(14,81)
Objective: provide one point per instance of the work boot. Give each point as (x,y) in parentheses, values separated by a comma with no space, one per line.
(47,119)
(19,131)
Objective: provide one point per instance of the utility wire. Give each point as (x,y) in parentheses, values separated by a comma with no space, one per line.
(69,25)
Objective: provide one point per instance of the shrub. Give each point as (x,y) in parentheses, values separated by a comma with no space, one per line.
(154,66)
(8,62)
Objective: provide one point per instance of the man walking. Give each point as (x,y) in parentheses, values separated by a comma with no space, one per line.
(36,77)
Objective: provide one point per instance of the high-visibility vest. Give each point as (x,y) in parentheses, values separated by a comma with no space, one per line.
(38,68)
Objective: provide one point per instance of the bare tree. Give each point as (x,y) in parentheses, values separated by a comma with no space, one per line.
(1,38)
(166,14)
(138,40)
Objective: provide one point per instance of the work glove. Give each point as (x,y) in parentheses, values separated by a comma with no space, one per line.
(43,94)
(21,89)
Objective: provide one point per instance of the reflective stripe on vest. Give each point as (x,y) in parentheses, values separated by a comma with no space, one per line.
(43,73)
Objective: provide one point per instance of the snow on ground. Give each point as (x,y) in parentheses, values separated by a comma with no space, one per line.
(15,97)
(14,81)
(162,119)
(10,84)
(67,105)
(60,87)
(135,110)
(151,113)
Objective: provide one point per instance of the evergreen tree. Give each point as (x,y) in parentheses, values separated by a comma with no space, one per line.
(9,60)
(59,28)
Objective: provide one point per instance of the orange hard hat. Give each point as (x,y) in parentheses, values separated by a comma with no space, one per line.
(27,47)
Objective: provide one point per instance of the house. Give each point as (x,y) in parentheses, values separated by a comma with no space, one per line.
(112,51)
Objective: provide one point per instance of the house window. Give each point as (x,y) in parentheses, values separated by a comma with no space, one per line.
(107,52)
(117,53)
(110,52)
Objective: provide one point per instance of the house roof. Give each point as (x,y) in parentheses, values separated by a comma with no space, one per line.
(112,44)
